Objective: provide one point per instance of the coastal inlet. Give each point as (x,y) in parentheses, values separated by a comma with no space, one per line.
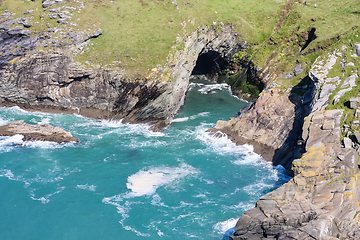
(125,180)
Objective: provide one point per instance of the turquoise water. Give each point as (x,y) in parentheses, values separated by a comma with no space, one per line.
(125,182)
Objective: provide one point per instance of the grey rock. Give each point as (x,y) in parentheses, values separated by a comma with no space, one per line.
(315,203)
(225,42)
(64,15)
(27,25)
(48,3)
(354,102)
(28,11)
(357,136)
(350,81)
(350,64)
(339,94)
(52,16)
(357,49)
(298,69)
(343,64)
(95,34)
(25,32)
(54,10)
(267,125)
(347,142)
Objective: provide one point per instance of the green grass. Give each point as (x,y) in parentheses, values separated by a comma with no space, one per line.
(139,35)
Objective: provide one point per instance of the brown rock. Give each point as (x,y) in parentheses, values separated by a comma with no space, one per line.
(30,132)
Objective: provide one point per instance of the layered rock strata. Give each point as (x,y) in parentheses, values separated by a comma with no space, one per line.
(321,201)
(38,72)
(272,125)
(43,132)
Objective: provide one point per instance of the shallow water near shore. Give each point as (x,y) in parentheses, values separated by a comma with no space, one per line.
(125,182)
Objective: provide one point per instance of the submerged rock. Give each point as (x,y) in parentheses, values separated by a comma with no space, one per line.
(43,132)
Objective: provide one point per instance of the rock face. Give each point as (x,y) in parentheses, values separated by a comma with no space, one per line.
(272,125)
(225,43)
(321,201)
(44,132)
(51,80)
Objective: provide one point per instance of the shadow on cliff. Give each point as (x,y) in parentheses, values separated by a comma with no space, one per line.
(294,146)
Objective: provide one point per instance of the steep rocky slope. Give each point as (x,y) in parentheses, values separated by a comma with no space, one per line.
(38,72)
(322,200)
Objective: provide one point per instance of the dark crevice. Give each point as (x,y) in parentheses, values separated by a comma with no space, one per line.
(311,37)
(42,99)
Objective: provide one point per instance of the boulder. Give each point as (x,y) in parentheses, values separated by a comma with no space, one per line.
(357,49)
(347,142)
(44,132)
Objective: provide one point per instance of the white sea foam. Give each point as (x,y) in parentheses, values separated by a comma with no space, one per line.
(45,199)
(7,173)
(44,121)
(87,187)
(241,206)
(183,119)
(202,114)
(13,140)
(3,122)
(146,182)
(223,227)
(223,145)
(258,187)
(210,88)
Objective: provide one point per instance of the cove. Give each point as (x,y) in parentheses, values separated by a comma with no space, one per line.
(124,181)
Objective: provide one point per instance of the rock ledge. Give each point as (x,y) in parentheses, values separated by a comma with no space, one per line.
(44,132)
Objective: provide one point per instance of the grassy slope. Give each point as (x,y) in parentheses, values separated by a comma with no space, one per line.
(138,35)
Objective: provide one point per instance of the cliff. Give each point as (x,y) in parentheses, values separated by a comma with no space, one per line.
(322,200)
(272,125)
(38,71)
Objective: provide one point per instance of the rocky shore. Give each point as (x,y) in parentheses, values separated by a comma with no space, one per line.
(38,71)
(42,132)
(322,200)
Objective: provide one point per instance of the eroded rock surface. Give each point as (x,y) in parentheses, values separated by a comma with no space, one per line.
(321,201)
(50,79)
(43,132)
(272,125)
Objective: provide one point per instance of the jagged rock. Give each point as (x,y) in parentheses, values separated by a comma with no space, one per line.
(27,25)
(64,15)
(52,16)
(43,132)
(15,31)
(54,10)
(323,85)
(96,34)
(48,3)
(354,102)
(321,201)
(347,142)
(298,69)
(357,49)
(28,11)
(161,111)
(350,81)
(271,125)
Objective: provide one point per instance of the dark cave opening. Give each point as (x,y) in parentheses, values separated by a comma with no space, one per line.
(210,63)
